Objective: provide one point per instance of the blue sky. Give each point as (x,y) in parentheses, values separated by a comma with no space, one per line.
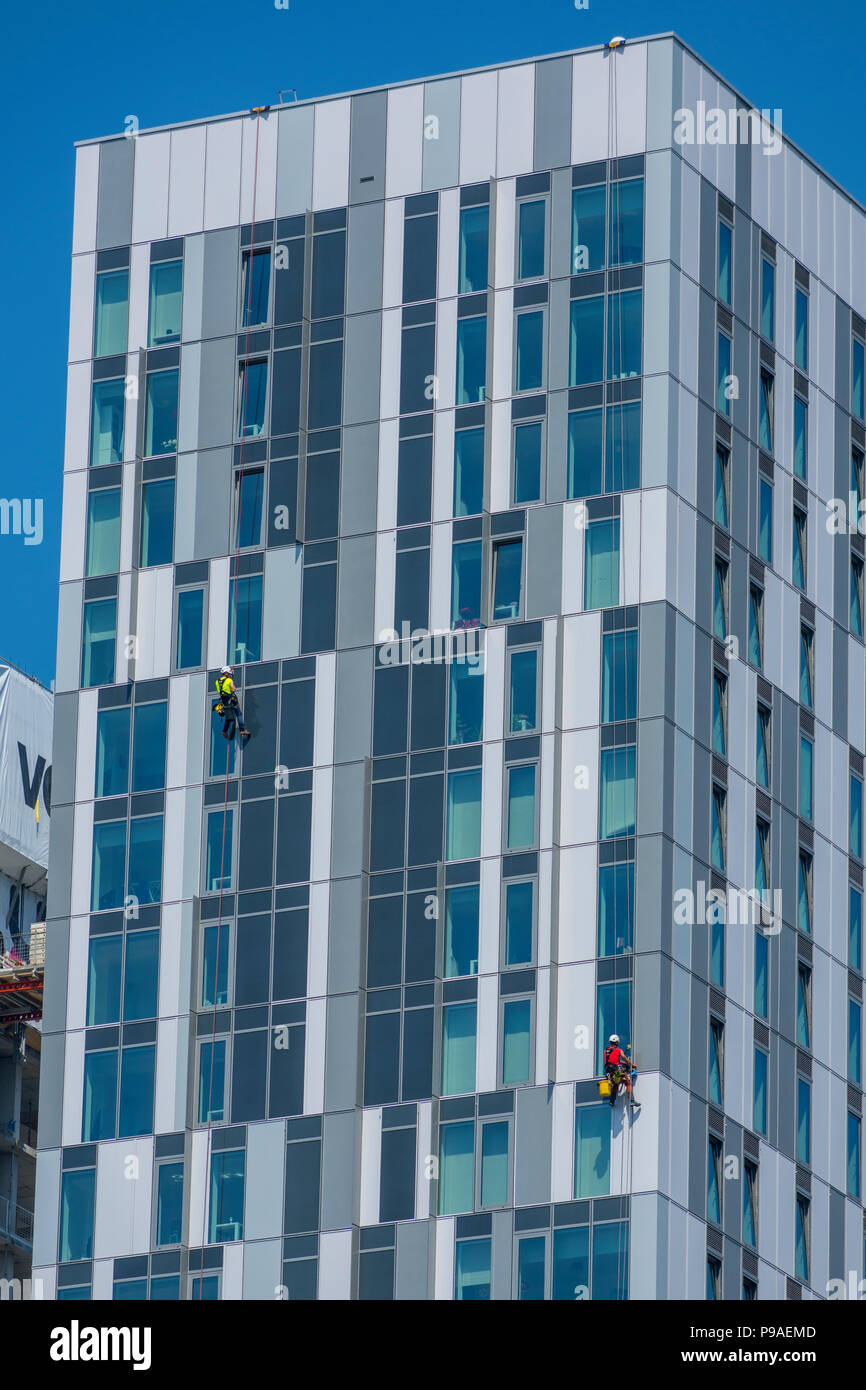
(75,71)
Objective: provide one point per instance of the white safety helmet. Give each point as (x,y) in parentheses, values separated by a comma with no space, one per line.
(614,1038)
(225,670)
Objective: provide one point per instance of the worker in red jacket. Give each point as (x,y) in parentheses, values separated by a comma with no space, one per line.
(617,1067)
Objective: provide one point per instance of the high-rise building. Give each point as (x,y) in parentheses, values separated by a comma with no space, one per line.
(560,364)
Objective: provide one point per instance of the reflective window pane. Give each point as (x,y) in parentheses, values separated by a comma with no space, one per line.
(530,240)
(468,472)
(516,1042)
(148,746)
(255,288)
(106,432)
(461,930)
(103,531)
(529,363)
(227,1196)
(245,640)
(521,806)
(166,296)
(160,429)
(592,1151)
(190,628)
(523,692)
(586,341)
(100,1096)
(474,233)
(626,222)
(112,312)
(527,463)
(518,923)
(109,863)
(458,1048)
(471,359)
(463,838)
(112,752)
(137,1070)
(157,522)
(466,702)
(252,395)
(584,453)
(141,975)
(587,229)
(145,859)
(103,979)
(507,579)
(601,578)
(466,584)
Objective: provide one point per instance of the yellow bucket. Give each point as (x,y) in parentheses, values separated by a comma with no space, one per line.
(604,1088)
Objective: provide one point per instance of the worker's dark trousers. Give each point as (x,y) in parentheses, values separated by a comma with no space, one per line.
(233,718)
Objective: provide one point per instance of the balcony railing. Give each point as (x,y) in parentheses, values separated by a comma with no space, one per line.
(15,1222)
(25,950)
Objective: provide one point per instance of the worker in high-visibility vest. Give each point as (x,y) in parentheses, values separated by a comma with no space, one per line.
(228,705)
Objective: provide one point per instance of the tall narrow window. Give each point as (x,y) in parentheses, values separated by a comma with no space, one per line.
(855,817)
(717,1063)
(474,236)
(854,1129)
(157,523)
(98,642)
(160,420)
(523,692)
(245,619)
(855,1014)
(750,1204)
(759,1115)
(806,666)
(768,300)
(801,437)
(613,1015)
(586,341)
(218,863)
(856,596)
(530,239)
(103,531)
(765,411)
(714,1180)
(619,676)
(801,1239)
(463,827)
(529,351)
(527,463)
(468,472)
(169,1203)
(215,966)
(857,477)
(466,702)
(601,580)
(806,754)
(106,430)
(763,747)
(252,394)
(587,228)
(456,1168)
(615,909)
(624,335)
(471,359)
(724,383)
(804,1121)
(756,626)
(617,797)
(801,330)
(721,506)
(626,222)
(112,313)
(857,355)
(466,584)
(472,1271)
(108,865)
(518,923)
(591,1151)
(461,930)
(714,1279)
(458,1048)
(507,579)
(227,1196)
(719,828)
(516,1041)
(521,798)
(166,296)
(622,448)
(855,926)
(255,288)
(726,234)
(249,505)
(190,629)
(765,520)
(77,1204)
(112,752)
(761,967)
(494,1164)
(585,453)
(720,598)
(804,1005)
(804,892)
(762,855)
(798,567)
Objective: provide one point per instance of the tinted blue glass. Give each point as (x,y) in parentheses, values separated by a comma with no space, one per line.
(466,584)
(613,1015)
(255,288)
(466,703)
(518,923)
(164,1289)
(724,277)
(801,330)
(523,692)
(246,620)
(527,463)
(768,300)
(723,401)
(218,867)
(145,859)
(759,1123)
(468,472)
(141,975)
(584,453)
(169,1204)
(166,297)
(103,531)
(249,498)
(800,437)
(622,451)
(472,1271)
(474,231)
(615,909)
(77,1194)
(106,433)
(530,1268)
(571,1263)
(471,359)
(516,1042)
(529,366)
(215,972)
(137,1067)
(109,862)
(157,522)
(587,228)
(625,335)
(626,222)
(98,642)
(103,979)
(130,1290)
(252,395)
(530,252)
(190,622)
(227,1196)
(112,752)
(586,342)
(507,579)
(601,578)
(619,676)
(148,747)
(100,1096)
(160,429)
(610,1260)
(211,1081)
(112,310)
(461,930)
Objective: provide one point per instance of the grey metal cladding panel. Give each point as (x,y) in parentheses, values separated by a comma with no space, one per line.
(784,852)
(706,450)
(840,680)
(655,760)
(704,577)
(367,148)
(347,835)
(742,251)
(700,1019)
(532,1146)
(354,705)
(553,83)
(346,927)
(701,806)
(60,862)
(501,1277)
(413,1260)
(213,504)
(265,1167)
(339,1143)
(356,594)
(557,446)
(263,1261)
(217,393)
(697,1198)
(841,465)
(653,892)
(732,1208)
(365,258)
(843,354)
(64,748)
(707,350)
(358,479)
(744,360)
(558,313)
(742,488)
(786,752)
(785,1110)
(837,1235)
(441,154)
(52,1054)
(664,86)
(543,561)
(114,199)
(732,1288)
(185,508)
(70,603)
(220,272)
(295,161)
(56,974)
(560,218)
(342,1052)
(738,590)
(707,247)
(652,983)
(703,709)
(362,368)
(656,658)
(743,175)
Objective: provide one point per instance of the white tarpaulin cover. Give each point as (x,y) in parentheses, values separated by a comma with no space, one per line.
(26,720)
